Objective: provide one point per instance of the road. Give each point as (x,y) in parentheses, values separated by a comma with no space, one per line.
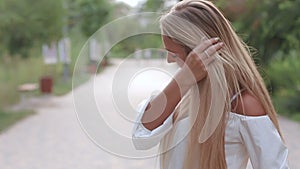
(54,138)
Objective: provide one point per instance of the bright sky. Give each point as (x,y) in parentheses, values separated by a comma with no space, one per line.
(130,2)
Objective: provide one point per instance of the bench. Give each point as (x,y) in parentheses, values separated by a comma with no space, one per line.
(27,88)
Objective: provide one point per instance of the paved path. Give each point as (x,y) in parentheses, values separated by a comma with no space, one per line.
(53,138)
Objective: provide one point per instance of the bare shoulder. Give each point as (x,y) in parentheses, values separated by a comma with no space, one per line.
(250,104)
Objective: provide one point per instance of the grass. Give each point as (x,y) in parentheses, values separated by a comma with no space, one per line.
(292,116)
(296,117)
(286,104)
(62,87)
(7,119)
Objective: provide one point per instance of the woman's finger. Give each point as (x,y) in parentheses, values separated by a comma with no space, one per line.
(210,53)
(206,44)
(209,60)
(214,48)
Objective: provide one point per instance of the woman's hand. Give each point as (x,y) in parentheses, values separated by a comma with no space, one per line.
(194,69)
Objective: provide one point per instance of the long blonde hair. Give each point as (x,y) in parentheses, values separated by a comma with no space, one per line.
(189,22)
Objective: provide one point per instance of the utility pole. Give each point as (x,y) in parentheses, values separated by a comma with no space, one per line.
(64,41)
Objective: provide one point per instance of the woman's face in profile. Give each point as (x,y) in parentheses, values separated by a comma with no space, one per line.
(176,52)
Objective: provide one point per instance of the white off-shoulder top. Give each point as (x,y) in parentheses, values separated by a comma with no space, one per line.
(245,136)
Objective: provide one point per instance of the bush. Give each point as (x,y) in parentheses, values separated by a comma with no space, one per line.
(270,26)
(283,72)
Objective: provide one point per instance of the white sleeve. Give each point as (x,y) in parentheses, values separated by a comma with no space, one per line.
(143,138)
(263,143)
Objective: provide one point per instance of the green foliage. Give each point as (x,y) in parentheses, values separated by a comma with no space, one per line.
(24,23)
(93,14)
(285,80)
(272,26)
(284,71)
(152,6)
(129,45)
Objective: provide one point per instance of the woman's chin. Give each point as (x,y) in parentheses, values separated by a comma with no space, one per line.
(180,65)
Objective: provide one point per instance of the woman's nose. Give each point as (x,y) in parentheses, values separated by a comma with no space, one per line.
(170,58)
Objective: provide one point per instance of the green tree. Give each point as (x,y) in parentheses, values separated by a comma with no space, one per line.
(285,80)
(93,14)
(153,5)
(24,23)
(271,26)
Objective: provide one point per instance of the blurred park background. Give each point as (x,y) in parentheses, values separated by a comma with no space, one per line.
(30,29)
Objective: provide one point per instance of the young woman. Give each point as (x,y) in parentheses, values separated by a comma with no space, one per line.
(221,93)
